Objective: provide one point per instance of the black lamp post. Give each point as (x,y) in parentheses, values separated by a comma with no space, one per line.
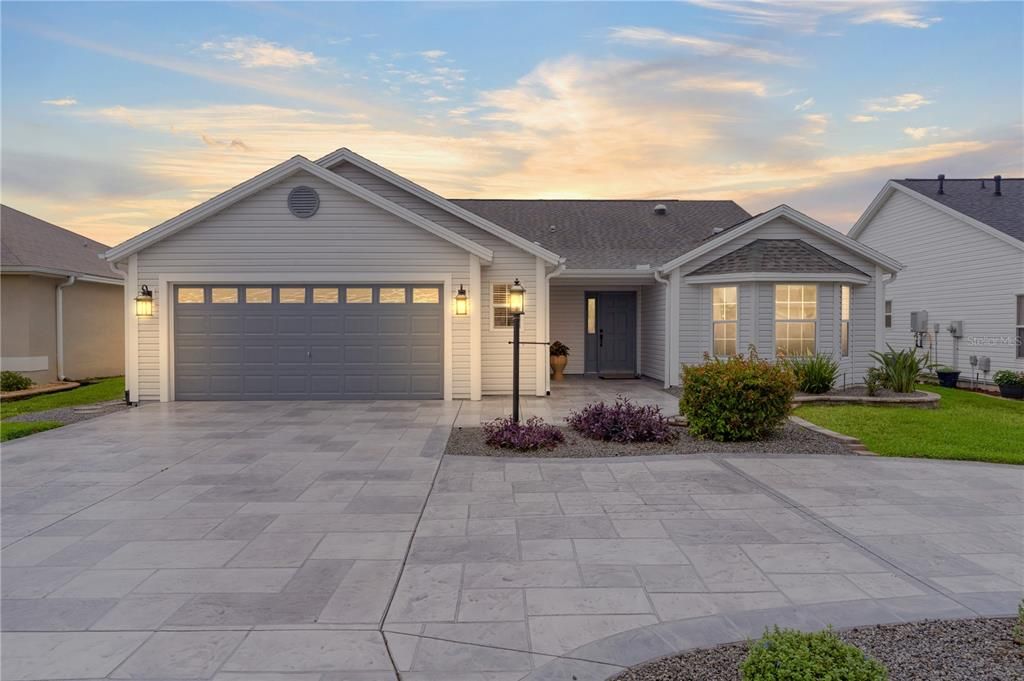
(516,307)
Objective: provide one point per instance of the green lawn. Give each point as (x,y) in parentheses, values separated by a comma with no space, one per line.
(965,426)
(98,390)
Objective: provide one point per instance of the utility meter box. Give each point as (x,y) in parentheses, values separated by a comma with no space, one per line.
(956,329)
(985,364)
(919,321)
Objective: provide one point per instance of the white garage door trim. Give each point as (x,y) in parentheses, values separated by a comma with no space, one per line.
(165,310)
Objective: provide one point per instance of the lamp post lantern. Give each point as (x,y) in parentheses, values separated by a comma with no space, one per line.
(517,307)
(144,303)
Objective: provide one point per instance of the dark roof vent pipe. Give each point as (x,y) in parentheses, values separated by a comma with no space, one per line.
(999,185)
(660,209)
(942,182)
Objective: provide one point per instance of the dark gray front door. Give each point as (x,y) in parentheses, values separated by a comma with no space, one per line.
(616,333)
(295,342)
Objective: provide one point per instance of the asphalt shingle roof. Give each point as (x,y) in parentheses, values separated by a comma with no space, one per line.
(777,255)
(1005,213)
(610,234)
(28,242)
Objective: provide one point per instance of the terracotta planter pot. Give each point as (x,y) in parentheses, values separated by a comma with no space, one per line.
(558,363)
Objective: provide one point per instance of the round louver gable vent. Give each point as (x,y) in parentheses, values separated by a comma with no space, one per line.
(303,202)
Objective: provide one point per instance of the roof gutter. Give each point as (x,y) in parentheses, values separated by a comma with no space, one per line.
(60,325)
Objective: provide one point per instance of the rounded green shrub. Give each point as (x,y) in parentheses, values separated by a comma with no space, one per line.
(740,398)
(12,380)
(790,655)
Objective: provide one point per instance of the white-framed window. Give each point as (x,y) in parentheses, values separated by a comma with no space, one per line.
(796,316)
(724,320)
(1020,327)
(845,298)
(591,315)
(888,314)
(501,318)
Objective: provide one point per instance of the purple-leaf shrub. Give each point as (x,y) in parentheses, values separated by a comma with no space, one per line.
(623,421)
(524,436)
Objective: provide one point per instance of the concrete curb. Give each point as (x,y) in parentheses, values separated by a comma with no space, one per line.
(39,390)
(918,399)
(852,443)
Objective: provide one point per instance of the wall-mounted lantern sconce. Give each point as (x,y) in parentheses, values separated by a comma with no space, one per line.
(461,302)
(517,298)
(144,303)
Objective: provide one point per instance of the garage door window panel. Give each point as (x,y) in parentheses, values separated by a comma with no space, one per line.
(359,296)
(325,296)
(426,296)
(291,296)
(259,296)
(223,296)
(191,296)
(391,296)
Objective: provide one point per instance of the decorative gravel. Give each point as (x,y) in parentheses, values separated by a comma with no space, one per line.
(68,415)
(933,650)
(792,439)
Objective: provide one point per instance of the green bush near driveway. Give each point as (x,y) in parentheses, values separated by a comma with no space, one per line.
(966,425)
(735,399)
(12,431)
(11,381)
(790,655)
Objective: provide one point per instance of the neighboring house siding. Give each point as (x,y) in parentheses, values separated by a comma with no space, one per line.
(568,317)
(259,236)
(652,335)
(29,330)
(509,262)
(757,322)
(93,330)
(955,271)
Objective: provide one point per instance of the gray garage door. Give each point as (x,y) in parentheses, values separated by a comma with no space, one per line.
(294,342)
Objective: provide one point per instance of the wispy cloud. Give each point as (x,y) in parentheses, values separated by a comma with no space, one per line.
(432,55)
(862,118)
(724,84)
(804,105)
(646,36)
(927,131)
(806,17)
(905,102)
(815,124)
(255,53)
(63,101)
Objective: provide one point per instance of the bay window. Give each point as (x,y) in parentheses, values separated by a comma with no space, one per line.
(796,316)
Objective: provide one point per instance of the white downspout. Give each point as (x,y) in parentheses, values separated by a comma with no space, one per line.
(60,325)
(668,328)
(547,323)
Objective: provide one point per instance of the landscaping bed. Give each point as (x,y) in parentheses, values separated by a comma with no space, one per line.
(858,394)
(46,411)
(979,649)
(791,439)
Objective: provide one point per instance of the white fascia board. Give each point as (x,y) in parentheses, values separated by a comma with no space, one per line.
(892,187)
(62,274)
(799,218)
(844,277)
(636,275)
(349,156)
(273,176)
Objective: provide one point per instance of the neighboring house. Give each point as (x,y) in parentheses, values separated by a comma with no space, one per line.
(962,243)
(62,309)
(337,279)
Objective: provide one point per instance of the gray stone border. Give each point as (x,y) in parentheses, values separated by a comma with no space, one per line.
(918,399)
(852,443)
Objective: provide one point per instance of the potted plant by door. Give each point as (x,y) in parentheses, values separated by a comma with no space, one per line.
(559,358)
(948,376)
(1011,383)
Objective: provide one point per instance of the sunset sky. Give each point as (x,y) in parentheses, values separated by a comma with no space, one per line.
(116,117)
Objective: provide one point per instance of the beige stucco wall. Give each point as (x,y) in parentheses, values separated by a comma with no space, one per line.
(93,330)
(27,324)
(93,327)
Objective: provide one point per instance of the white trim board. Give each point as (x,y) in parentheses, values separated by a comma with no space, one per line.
(165,319)
(892,187)
(270,177)
(345,155)
(800,219)
(781,277)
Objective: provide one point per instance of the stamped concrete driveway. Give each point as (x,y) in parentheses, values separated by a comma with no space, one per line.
(323,542)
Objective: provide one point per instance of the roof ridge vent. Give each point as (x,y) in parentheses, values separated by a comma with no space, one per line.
(660,209)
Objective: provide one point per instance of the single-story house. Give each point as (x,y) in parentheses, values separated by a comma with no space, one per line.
(337,279)
(962,243)
(62,309)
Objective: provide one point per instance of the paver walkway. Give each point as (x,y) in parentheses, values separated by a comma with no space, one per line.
(285,541)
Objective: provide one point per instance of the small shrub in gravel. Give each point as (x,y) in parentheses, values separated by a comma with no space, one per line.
(623,421)
(791,655)
(740,398)
(816,374)
(524,436)
(12,380)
